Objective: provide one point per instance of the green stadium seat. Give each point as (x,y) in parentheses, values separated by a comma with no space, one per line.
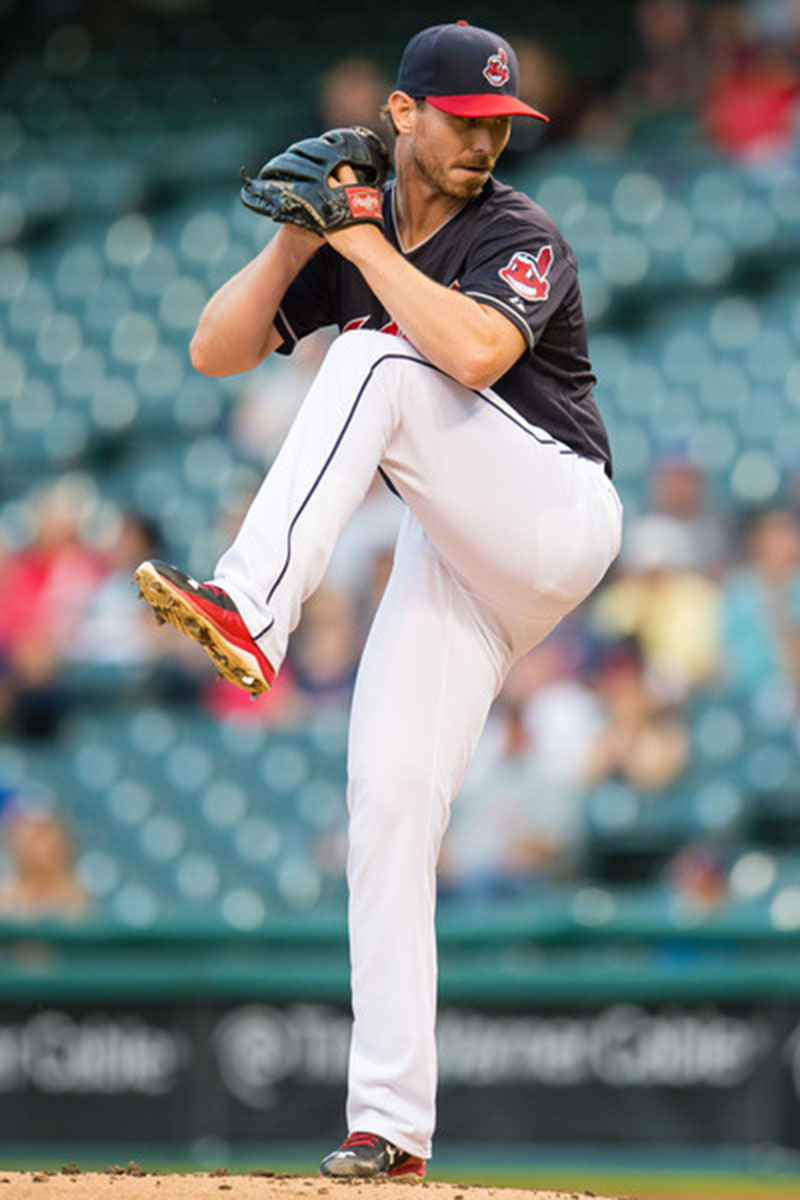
(130,801)
(771,357)
(106,306)
(224,802)
(161,838)
(243,908)
(718,733)
(668,231)
(298,883)
(197,877)
(100,873)
(708,259)
(257,839)
(136,905)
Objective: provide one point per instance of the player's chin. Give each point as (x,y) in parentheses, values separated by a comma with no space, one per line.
(466,183)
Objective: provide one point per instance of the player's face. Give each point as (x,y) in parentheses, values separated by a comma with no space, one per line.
(455,155)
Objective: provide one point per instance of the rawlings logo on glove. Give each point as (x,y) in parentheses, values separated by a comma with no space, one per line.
(365,203)
(295,186)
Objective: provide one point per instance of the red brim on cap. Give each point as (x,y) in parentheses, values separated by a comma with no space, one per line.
(484,105)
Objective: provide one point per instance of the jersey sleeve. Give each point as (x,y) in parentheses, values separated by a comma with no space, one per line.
(521,269)
(310,301)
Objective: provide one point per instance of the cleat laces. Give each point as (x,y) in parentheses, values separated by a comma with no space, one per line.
(361,1139)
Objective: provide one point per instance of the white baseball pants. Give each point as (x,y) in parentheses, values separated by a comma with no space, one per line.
(506,531)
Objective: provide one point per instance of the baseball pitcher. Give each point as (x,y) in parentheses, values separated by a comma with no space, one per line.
(462,374)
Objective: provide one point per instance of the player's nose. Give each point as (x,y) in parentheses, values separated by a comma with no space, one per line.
(481,138)
(484,140)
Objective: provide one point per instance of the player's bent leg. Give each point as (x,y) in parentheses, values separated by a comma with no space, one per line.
(208,615)
(529,526)
(321,474)
(243,618)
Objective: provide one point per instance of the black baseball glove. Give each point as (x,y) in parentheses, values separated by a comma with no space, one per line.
(293,187)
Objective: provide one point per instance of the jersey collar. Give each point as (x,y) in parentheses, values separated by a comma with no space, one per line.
(418,245)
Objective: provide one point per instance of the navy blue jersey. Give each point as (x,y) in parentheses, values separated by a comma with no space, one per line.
(505,251)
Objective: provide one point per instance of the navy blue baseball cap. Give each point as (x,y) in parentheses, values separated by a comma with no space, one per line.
(463,70)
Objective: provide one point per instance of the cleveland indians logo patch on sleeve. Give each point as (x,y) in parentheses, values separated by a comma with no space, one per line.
(527,275)
(496,70)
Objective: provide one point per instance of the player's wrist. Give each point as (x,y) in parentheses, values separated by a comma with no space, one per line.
(358,243)
(295,246)
(298,237)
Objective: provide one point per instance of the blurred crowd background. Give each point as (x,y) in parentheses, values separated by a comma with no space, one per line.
(644,758)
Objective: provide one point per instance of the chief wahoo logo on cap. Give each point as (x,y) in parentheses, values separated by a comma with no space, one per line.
(496,69)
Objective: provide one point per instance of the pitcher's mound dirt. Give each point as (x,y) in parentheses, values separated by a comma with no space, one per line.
(133,1183)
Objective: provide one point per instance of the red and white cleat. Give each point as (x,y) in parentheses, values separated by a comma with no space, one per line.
(206,613)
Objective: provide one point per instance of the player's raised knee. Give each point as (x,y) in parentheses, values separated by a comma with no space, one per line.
(360,347)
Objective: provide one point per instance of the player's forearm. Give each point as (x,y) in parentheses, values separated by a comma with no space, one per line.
(235,330)
(450,329)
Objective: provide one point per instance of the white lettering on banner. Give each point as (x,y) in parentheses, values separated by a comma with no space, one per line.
(258,1046)
(631,1048)
(621,1046)
(56,1053)
(479,1050)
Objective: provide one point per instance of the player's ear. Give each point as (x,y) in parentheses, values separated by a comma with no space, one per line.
(403,111)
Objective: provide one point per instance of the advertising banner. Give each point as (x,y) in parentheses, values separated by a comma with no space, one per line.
(621,1073)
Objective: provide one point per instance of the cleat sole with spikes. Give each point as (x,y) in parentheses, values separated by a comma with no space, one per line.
(170,606)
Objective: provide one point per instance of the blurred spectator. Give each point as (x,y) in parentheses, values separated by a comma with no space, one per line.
(324,654)
(269,402)
(725,34)
(117,632)
(665,80)
(47,584)
(560,713)
(352,92)
(750,108)
(678,489)
(226,702)
(670,67)
(698,874)
(546,84)
(45,591)
(669,607)
(114,627)
(7,795)
(42,880)
(644,741)
(516,822)
(774,20)
(761,608)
